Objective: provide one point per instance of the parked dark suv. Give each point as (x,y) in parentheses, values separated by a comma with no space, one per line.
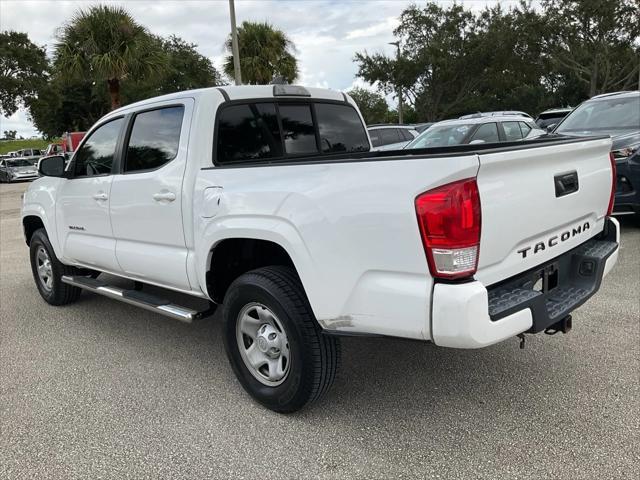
(616,114)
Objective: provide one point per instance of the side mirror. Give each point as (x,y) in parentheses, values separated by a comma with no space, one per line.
(551,127)
(474,142)
(52,166)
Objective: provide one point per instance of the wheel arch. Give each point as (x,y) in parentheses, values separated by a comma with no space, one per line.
(231,257)
(31,223)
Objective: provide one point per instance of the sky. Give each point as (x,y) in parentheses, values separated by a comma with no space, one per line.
(326,33)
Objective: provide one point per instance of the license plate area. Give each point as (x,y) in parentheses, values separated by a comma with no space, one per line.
(552,290)
(547,278)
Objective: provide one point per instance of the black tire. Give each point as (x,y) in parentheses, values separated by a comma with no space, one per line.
(59,293)
(314,356)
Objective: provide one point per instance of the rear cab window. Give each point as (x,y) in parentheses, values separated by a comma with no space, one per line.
(286,130)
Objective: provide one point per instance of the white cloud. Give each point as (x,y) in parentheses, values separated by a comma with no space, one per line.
(18,122)
(379,28)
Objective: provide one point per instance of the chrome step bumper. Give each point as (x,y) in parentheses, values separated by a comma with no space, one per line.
(137,298)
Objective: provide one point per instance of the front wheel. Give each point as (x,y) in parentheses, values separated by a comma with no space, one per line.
(274,344)
(48,271)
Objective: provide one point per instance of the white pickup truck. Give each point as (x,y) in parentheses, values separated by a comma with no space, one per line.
(266,199)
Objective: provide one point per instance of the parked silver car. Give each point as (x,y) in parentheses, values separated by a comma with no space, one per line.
(501,113)
(477,130)
(17,169)
(391,136)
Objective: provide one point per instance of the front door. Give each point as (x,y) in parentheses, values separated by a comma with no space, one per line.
(146,199)
(82,204)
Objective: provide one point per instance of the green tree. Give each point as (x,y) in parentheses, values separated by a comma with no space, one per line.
(104,43)
(10,134)
(265,53)
(186,69)
(596,41)
(372,105)
(455,61)
(438,64)
(62,105)
(23,67)
(65,104)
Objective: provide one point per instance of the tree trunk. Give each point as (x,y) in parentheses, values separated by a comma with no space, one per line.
(593,84)
(114,92)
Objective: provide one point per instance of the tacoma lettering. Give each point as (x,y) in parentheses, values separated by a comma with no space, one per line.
(553,241)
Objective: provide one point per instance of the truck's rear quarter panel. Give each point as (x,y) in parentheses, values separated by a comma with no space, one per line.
(350,228)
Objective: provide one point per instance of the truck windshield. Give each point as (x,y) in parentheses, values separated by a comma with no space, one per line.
(441,136)
(612,116)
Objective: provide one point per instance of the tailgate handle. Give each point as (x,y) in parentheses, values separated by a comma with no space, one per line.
(566,183)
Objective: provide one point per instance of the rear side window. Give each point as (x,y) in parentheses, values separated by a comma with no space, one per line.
(389,135)
(298,130)
(95,157)
(511,131)
(248,132)
(487,132)
(406,134)
(154,139)
(525,128)
(374,135)
(340,129)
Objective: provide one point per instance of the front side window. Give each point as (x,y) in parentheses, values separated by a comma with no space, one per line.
(512,131)
(442,135)
(154,139)
(95,157)
(248,132)
(340,128)
(487,133)
(298,130)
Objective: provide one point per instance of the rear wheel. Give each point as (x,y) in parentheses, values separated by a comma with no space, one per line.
(274,344)
(48,271)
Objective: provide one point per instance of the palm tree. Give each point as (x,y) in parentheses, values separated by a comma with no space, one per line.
(265,53)
(104,43)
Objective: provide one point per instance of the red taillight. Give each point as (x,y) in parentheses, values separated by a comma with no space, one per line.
(614,178)
(449,220)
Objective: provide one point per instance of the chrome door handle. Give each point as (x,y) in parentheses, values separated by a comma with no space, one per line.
(164,197)
(101,196)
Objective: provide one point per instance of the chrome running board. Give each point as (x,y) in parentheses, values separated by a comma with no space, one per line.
(137,298)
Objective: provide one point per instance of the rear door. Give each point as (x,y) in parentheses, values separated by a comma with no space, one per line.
(147,198)
(533,210)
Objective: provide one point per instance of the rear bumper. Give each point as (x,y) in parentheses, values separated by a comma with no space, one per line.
(471,315)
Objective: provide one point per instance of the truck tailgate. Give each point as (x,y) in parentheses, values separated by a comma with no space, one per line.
(533,210)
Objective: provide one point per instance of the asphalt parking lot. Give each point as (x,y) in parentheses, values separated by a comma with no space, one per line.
(100,389)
